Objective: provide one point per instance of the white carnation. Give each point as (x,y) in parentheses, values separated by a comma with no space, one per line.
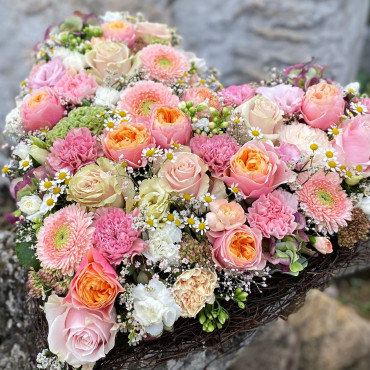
(71,59)
(106,96)
(30,205)
(364,204)
(162,243)
(154,307)
(22,150)
(111,17)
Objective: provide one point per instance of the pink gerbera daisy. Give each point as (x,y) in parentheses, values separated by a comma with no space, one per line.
(164,63)
(64,239)
(138,99)
(323,200)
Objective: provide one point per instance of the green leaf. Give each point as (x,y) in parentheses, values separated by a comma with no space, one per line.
(38,142)
(26,255)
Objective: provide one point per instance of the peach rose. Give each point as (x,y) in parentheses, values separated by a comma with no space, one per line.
(169,125)
(263,113)
(224,215)
(126,143)
(239,248)
(108,56)
(95,285)
(193,289)
(186,174)
(257,169)
(41,109)
(119,31)
(322,105)
(148,32)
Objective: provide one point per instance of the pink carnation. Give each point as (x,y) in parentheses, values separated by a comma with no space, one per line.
(75,88)
(215,151)
(273,214)
(77,149)
(164,63)
(47,74)
(64,239)
(323,200)
(114,235)
(237,95)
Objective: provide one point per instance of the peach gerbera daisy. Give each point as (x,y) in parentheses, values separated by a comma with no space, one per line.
(200,94)
(164,63)
(64,238)
(323,200)
(138,99)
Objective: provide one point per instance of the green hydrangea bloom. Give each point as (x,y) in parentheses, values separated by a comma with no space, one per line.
(81,117)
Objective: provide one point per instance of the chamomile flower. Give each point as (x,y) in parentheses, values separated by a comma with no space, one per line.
(58,189)
(358,108)
(175,145)
(47,185)
(169,155)
(151,153)
(62,176)
(329,154)
(25,164)
(314,147)
(358,169)
(5,170)
(333,165)
(187,197)
(352,88)
(201,226)
(234,188)
(48,202)
(191,221)
(175,218)
(110,124)
(151,223)
(207,199)
(255,133)
(334,130)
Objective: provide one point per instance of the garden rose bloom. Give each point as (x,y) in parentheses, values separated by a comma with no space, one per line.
(273,214)
(323,245)
(224,215)
(47,74)
(187,174)
(108,56)
(288,98)
(257,169)
(239,248)
(78,336)
(97,185)
(126,143)
(120,31)
(75,88)
(169,125)
(322,105)
(148,32)
(262,113)
(237,94)
(193,289)
(41,109)
(95,285)
(353,143)
(77,149)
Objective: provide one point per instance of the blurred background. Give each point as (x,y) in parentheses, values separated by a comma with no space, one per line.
(243,39)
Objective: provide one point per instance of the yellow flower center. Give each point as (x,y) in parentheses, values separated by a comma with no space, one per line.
(329,154)
(332,164)
(255,133)
(169,156)
(48,184)
(237,120)
(178,223)
(122,113)
(314,147)
(110,124)
(201,226)
(124,164)
(5,169)
(150,222)
(180,81)
(208,199)
(57,190)
(25,163)
(342,168)
(187,196)
(191,221)
(335,131)
(171,217)
(235,190)
(359,168)
(62,176)
(202,81)
(67,181)
(349,173)
(50,202)
(149,153)
(359,109)
(351,91)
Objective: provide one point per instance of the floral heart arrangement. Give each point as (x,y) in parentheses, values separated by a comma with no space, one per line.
(157,206)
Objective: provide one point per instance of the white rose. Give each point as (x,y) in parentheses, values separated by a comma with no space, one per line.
(162,243)
(154,307)
(364,204)
(106,96)
(112,17)
(30,205)
(22,150)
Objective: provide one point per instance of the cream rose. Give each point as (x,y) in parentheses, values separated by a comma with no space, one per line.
(154,196)
(148,32)
(100,185)
(30,205)
(193,289)
(107,56)
(186,174)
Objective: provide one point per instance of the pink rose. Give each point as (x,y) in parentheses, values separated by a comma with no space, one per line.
(224,215)
(186,174)
(47,74)
(77,149)
(288,152)
(239,248)
(288,98)
(322,244)
(353,143)
(41,109)
(78,336)
(322,106)
(215,151)
(256,169)
(273,214)
(75,88)
(237,94)
(148,32)
(262,113)
(120,31)
(95,285)
(126,143)
(169,125)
